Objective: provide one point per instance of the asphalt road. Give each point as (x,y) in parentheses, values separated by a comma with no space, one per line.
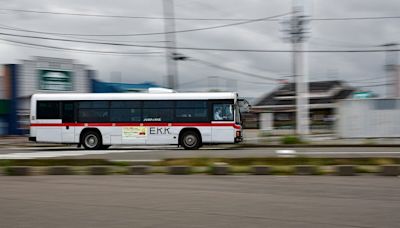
(162,152)
(199,201)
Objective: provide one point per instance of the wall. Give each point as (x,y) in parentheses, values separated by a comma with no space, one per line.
(28,79)
(40,75)
(369,118)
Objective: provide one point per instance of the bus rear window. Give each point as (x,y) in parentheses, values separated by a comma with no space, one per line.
(48,110)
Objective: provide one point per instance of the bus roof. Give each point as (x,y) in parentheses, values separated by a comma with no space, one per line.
(135,96)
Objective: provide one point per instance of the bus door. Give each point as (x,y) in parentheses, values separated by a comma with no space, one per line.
(222,121)
(48,112)
(68,116)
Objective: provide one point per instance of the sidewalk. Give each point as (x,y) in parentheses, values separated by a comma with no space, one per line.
(254,137)
(22,141)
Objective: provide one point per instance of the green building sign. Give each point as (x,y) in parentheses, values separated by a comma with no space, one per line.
(55,80)
(362,95)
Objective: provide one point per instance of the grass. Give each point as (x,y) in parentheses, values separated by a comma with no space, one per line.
(282,170)
(291,139)
(60,162)
(367,169)
(279,165)
(278,161)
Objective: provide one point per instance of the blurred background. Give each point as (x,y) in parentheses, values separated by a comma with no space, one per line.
(333,62)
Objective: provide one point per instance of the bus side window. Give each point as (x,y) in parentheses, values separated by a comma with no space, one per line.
(48,110)
(68,112)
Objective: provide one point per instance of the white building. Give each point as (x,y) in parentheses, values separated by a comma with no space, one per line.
(369,118)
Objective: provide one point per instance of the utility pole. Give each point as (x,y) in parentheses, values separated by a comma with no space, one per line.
(170,38)
(392,71)
(296,35)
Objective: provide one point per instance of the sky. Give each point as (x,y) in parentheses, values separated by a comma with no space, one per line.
(359,69)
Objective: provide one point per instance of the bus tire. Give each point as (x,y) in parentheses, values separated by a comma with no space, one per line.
(190,140)
(91,140)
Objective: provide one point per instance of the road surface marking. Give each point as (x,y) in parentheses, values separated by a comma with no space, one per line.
(52,154)
(286,153)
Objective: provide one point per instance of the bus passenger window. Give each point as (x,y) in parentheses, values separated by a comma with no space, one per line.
(48,110)
(223,112)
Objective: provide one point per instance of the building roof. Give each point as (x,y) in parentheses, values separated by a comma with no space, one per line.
(113,87)
(321,92)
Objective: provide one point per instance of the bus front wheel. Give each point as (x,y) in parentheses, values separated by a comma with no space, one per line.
(190,140)
(92,140)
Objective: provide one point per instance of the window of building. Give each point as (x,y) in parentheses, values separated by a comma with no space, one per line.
(223,112)
(48,110)
(385,104)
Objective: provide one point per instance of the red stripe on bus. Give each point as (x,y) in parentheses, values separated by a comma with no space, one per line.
(136,124)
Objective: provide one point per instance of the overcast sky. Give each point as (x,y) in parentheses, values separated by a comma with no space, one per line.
(331,35)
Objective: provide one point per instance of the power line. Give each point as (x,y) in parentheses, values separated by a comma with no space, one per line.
(337,43)
(129,17)
(158,33)
(251,82)
(233,70)
(355,18)
(368,79)
(77,49)
(189,19)
(191,82)
(200,48)
(2,26)
(375,85)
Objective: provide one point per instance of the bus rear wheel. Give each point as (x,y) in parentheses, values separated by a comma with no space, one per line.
(190,140)
(91,140)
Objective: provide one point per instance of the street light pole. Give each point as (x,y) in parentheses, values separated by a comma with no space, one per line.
(302,107)
(296,35)
(170,38)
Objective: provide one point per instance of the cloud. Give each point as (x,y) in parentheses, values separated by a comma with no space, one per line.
(260,35)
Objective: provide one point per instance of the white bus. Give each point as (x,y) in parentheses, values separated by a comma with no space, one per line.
(98,121)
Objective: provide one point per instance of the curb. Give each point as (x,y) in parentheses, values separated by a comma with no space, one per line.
(345,170)
(138,170)
(305,170)
(215,169)
(179,170)
(261,170)
(99,170)
(18,171)
(390,170)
